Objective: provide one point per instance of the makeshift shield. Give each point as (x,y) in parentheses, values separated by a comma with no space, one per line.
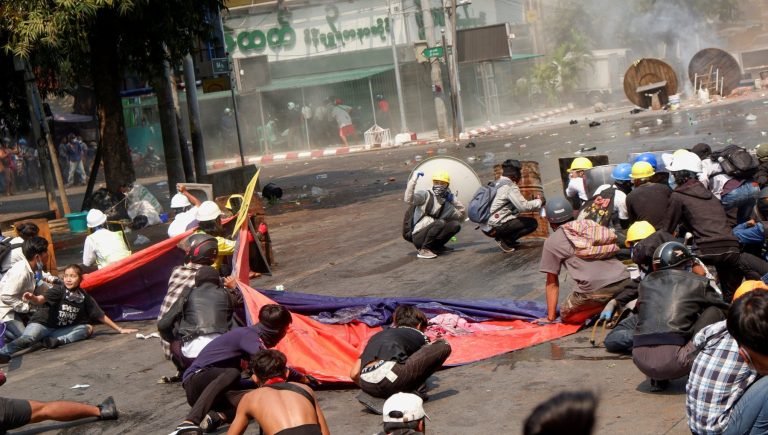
(596,177)
(464,180)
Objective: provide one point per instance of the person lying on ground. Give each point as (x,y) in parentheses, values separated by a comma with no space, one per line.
(24,231)
(505,224)
(15,413)
(212,382)
(437,216)
(23,278)
(597,280)
(727,387)
(102,247)
(62,317)
(403,414)
(200,314)
(570,412)
(185,206)
(209,222)
(278,406)
(401,358)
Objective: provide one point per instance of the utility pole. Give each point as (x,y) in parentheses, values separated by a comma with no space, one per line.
(195,130)
(455,83)
(234,107)
(454,110)
(398,82)
(435,71)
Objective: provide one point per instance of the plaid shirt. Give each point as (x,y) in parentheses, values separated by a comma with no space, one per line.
(182,277)
(718,378)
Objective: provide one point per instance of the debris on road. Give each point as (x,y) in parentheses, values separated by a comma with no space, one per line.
(80,387)
(321,176)
(573,122)
(594,124)
(750,117)
(145,337)
(470,145)
(635,111)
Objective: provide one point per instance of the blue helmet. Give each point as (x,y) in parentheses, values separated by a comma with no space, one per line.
(647,157)
(621,172)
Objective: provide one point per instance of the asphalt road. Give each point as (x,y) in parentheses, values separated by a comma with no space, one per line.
(347,242)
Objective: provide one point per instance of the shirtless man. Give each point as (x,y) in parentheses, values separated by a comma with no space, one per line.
(278,406)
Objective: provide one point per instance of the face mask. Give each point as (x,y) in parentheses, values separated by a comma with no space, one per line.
(440,191)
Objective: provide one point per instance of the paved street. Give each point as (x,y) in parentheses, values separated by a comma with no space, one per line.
(346,241)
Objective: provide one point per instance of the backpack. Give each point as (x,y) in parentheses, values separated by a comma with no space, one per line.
(409,224)
(736,162)
(590,240)
(5,249)
(479,208)
(599,208)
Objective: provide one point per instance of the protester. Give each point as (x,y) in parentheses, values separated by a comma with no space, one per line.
(185,206)
(726,388)
(505,224)
(597,280)
(576,190)
(64,315)
(401,358)
(617,192)
(19,412)
(209,222)
(21,279)
(14,254)
(570,412)
(9,169)
(648,200)
(61,151)
(437,214)
(200,314)
(102,247)
(278,406)
(403,414)
(75,155)
(212,381)
(761,176)
(692,205)
(31,165)
(643,239)
(673,305)
(340,113)
(200,250)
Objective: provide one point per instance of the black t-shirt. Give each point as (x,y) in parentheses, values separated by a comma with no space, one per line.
(393,344)
(66,308)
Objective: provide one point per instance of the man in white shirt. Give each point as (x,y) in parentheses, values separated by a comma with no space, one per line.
(622,185)
(576,192)
(185,205)
(102,246)
(341,114)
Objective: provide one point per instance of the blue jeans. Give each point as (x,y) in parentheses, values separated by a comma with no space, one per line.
(750,414)
(743,198)
(13,330)
(35,332)
(620,339)
(754,235)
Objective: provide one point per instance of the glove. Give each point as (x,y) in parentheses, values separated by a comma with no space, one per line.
(607,312)
(419,174)
(449,197)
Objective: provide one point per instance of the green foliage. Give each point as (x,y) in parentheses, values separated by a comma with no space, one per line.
(559,73)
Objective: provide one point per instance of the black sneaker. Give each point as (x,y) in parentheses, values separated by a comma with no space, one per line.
(50,342)
(4,358)
(211,422)
(187,429)
(108,409)
(659,385)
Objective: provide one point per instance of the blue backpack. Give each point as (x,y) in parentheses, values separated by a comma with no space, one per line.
(479,209)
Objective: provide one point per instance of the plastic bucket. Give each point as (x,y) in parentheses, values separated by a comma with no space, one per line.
(77,222)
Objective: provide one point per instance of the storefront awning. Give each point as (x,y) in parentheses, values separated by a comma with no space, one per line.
(324,78)
(524,56)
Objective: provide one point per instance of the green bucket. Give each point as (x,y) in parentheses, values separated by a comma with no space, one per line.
(77,222)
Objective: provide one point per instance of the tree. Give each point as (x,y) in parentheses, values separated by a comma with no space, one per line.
(559,73)
(101,39)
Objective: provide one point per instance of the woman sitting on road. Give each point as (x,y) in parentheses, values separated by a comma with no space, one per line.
(63,317)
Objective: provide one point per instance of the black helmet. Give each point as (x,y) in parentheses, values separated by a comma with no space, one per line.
(559,210)
(202,249)
(671,254)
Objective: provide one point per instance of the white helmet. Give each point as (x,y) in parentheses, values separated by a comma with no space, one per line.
(180,201)
(95,218)
(685,161)
(208,211)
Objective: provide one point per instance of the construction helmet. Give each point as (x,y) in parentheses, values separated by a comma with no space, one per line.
(559,210)
(621,172)
(686,161)
(201,249)
(235,201)
(641,170)
(671,254)
(95,218)
(442,176)
(748,286)
(639,231)
(580,164)
(180,201)
(647,157)
(208,211)
(762,150)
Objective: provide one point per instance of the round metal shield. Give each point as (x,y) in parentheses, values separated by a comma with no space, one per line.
(596,177)
(464,180)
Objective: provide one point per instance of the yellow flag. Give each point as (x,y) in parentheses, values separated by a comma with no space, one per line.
(243,213)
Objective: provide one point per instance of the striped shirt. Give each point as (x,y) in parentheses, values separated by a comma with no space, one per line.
(181,278)
(718,378)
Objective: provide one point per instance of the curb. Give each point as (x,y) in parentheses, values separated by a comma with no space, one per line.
(495,128)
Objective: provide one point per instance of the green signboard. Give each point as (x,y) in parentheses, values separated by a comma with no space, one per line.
(220,65)
(433,52)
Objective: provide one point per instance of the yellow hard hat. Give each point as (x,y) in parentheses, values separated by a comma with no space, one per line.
(638,231)
(579,164)
(748,286)
(642,170)
(442,176)
(236,197)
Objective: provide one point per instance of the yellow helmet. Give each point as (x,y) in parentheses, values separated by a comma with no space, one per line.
(237,199)
(642,170)
(638,231)
(579,164)
(442,176)
(748,286)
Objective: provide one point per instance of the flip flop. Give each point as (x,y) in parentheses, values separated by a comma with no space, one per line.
(373,404)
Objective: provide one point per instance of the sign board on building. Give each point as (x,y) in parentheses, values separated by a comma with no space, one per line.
(220,65)
(252,73)
(483,43)
(433,52)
